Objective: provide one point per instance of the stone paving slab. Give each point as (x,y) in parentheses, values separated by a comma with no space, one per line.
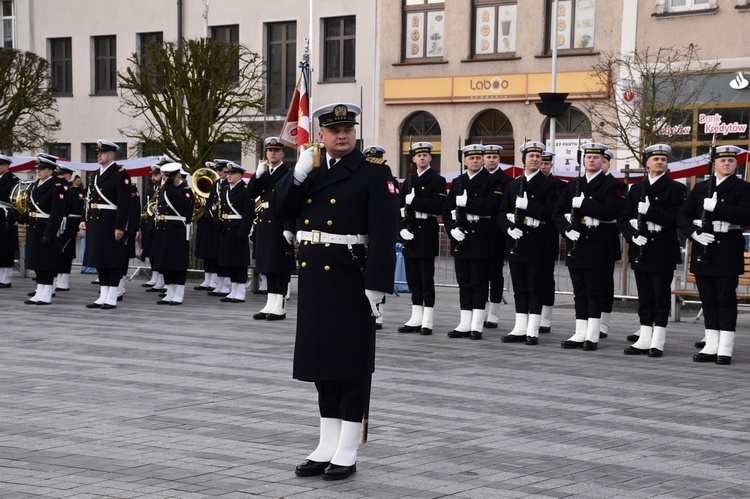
(197,401)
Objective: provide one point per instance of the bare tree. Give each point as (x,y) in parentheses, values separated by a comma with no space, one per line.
(652,94)
(191,96)
(27,107)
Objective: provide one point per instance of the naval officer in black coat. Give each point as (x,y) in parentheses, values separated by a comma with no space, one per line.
(348,211)
(717,255)
(8,227)
(553,238)
(649,223)
(108,204)
(236,218)
(422,198)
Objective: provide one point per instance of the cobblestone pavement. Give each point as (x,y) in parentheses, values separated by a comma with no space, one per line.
(198,401)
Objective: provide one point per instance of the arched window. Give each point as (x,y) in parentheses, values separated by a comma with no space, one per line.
(493,127)
(569,126)
(419,127)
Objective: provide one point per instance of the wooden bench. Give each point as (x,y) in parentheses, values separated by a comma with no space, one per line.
(687,292)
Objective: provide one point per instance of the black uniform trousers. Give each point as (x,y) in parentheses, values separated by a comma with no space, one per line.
(608,298)
(654,297)
(473,286)
(589,287)
(277,282)
(497,283)
(420,276)
(528,286)
(343,399)
(718,295)
(174,276)
(547,282)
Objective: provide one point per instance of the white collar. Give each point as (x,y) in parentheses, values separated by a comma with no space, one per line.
(529,177)
(589,179)
(652,181)
(419,174)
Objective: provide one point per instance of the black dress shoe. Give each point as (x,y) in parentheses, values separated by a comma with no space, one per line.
(237,300)
(513,338)
(633,338)
(336,472)
(175,303)
(602,335)
(226,299)
(459,334)
(275,317)
(94,305)
(43,302)
(5,285)
(62,289)
(120,298)
(590,345)
(163,302)
(30,302)
(476,335)
(655,352)
(147,285)
(571,344)
(310,468)
(378,327)
(532,340)
(260,316)
(95,282)
(153,290)
(631,350)
(425,331)
(409,329)
(723,360)
(704,357)
(490,325)
(107,306)
(700,344)
(544,329)
(200,288)
(31,293)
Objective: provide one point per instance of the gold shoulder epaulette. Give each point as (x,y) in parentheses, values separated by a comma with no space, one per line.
(121,169)
(57,184)
(376,161)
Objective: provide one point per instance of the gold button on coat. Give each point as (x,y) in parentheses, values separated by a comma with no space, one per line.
(333,201)
(303,264)
(330,222)
(327,268)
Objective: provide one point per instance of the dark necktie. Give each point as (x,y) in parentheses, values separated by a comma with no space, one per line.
(331,162)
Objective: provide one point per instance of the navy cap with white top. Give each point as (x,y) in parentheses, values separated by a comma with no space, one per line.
(235,168)
(492,149)
(336,114)
(66,168)
(548,156)
(594,148)
(657,150)
(421,147)
(106,145)
(170,168)
(42,162)
(608,154)
(727,151)
(473,150)
(532,147)
(273,143)
(374,152)
(48,156)
(5,159)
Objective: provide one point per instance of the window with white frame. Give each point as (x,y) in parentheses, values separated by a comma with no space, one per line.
(575,27)
(9,24)
(494,27)
(424,29)
(687,5)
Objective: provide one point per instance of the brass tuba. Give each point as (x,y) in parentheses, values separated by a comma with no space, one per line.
(202,181)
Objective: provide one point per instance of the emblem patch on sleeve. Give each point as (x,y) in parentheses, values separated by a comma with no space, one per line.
(391,187)
(127,181)
(62,196)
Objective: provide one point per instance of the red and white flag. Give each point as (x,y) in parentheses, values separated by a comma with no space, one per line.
(296,129)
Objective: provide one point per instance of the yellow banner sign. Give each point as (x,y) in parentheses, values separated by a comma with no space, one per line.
(491,88)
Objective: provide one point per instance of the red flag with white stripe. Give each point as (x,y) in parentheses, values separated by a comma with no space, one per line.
(296,129)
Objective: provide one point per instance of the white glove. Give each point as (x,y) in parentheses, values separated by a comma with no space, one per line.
(461,200)
(304,165)
(591,221)
(515,233)
(640,240)
(374,297)
(577,201)
(703,238)
(709,204)
(289,236)
(261,169)
(458,234)
(533,222)
(522,202)
(652,227)
(403,212)
(634,223)
(567,217)
(511,217)
(573,235)
(406,235)
(410,197)
(643,206)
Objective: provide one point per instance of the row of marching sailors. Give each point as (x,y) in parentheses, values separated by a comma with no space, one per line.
(486,216)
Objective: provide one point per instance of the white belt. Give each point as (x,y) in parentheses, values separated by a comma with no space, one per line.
(698,223)
(171,217)
(318,237)
(475,218)
(74,216)
(97,206)
(423,216)
(34,214)
(231,217)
